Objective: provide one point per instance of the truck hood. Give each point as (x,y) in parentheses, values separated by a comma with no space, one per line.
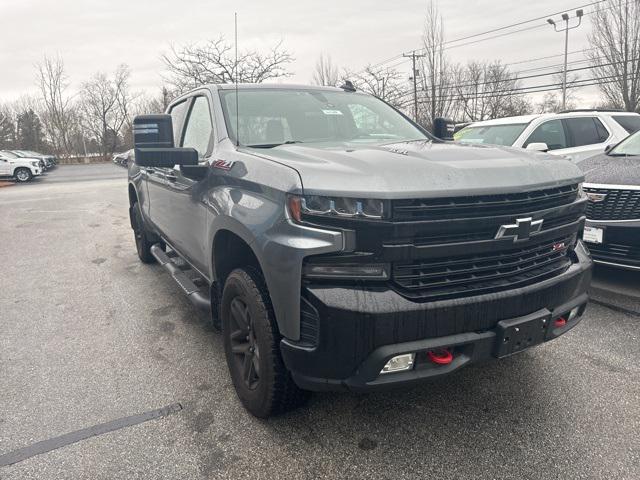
(419,169)
(610,170)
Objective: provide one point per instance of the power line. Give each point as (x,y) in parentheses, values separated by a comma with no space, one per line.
(506,27)
(525,89)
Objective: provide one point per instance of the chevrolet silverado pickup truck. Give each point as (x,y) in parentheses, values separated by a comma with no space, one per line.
(338,245)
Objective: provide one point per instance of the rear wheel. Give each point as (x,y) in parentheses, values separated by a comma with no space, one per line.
(143,244)
(251,343)
(23,175)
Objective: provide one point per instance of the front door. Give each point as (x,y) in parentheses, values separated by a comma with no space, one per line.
(187,213)
(5,168)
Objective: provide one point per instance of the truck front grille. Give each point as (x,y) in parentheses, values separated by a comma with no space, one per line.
(482,273)
(617,204)
(483,205)
(620,246)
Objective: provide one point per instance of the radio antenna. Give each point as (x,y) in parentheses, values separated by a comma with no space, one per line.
(235,17)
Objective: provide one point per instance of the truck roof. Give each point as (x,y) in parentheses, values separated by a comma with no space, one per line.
(231,86)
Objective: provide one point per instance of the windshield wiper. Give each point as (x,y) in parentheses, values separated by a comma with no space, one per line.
(272,145)
(619,155)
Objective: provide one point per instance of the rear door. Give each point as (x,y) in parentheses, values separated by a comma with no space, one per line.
(188,212)
(587,136)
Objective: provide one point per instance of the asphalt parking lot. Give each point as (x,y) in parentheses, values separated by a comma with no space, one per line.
(90,336)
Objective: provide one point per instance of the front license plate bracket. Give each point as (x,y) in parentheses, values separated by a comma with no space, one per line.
(518,334)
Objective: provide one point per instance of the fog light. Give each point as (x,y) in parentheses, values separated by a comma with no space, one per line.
(573,314)
(399,363)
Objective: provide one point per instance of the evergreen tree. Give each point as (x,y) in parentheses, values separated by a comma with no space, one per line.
(29,133)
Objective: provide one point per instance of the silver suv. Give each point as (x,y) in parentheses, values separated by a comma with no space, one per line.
(577,134)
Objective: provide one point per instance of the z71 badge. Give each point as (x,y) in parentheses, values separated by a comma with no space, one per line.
(223,164)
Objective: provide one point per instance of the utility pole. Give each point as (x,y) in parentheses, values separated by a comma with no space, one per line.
(414,77)
(565,17)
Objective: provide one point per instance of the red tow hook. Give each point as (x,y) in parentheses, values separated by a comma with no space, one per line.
(560,322)
(440,357)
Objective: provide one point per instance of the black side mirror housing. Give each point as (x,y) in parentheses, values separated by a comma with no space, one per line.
(153,131)
(153,142)
(165,157)
(443,128)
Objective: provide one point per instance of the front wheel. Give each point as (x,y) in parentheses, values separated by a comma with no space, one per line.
(251,343)
(23,175)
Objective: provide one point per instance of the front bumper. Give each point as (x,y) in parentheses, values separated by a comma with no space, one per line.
(359,329)
(621,243)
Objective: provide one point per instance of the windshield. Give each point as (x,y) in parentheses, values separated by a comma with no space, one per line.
(8,154)
(272,117)
(629,146)
(491,134)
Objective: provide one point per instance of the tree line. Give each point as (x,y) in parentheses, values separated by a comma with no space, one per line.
(97,117)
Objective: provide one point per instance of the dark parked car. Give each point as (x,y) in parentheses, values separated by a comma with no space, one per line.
(612,184)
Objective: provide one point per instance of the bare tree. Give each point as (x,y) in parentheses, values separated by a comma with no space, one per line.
(191,66)
(105,105)
(615,53)
(325,72)
(486,90)
(385,83)
(58,110)
(435,80)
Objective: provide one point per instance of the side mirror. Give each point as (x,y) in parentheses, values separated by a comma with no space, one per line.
(153,131)
(538,147)
(608,148)
(444,128)
(153,142)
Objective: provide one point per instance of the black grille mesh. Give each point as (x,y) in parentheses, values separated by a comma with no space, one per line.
(617,205)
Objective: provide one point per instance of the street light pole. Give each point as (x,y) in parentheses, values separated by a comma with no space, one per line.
(565,17)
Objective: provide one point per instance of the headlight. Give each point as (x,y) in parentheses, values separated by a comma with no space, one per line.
(581,192)
(335,206)
(371,271)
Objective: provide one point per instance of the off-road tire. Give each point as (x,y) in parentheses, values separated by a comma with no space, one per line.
(143,243)
(274,391)
(22,175)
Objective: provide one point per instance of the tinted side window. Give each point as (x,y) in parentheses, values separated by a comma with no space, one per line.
(631,123)
(551,133)
(583,131)
(199,128)
(178,112)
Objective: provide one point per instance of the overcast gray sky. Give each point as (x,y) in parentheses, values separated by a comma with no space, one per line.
(94,35)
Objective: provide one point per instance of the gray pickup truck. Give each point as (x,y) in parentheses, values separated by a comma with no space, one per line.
(338,245)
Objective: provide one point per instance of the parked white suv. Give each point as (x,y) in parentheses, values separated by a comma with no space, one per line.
(576,134)
(22,169)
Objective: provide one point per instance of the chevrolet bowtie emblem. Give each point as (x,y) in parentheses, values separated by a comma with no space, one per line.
(521,230)
(596,197)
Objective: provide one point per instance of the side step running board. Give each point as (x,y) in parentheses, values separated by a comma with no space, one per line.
(199,298)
